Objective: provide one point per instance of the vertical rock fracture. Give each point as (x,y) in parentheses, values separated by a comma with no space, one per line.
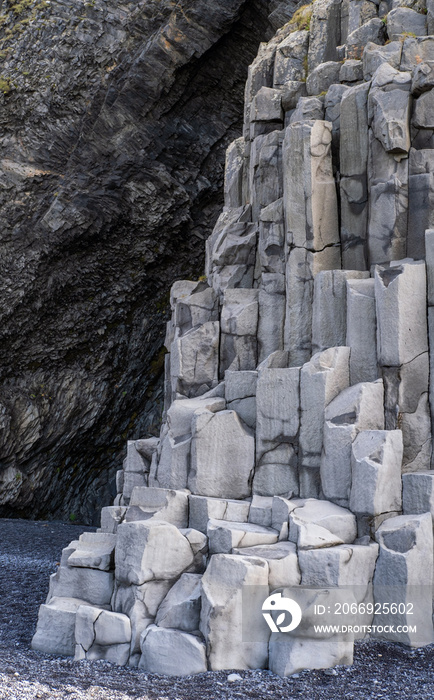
(296,442)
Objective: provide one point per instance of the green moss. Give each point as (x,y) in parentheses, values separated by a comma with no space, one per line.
(19,7)
(5,85)
(301,18)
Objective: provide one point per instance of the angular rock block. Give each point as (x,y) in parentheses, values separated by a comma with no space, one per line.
(308,108)
(309,189)
(353,149)
(301,269)
(418,492)
(260,73)
(194,360)
(416,50)
(240,392)
(404,20)
(374,56)
(349,568)
(404,575)
(146,447)
(292,93)
(280,511)
(322,77)
(283,569)
(362,330)
(423,78)
(233,248)
(95,550)
(195,310)
(329,319)
(100,634)
(222,456)
(357,408)
(202,509)
(400,294)
(111,517)
(289,655)
(321,380)
(277,406)
(351,71)
(91,585)
(376,472)
(151,551)
(272,308)
(239,324)
(234,190)
(154,504)
(413,382)
(231,223)
(277,473)
(128,481)
(199,546)
(421,200)
(134,461)
(140,604)
(171,652)
(260,512)
(290,62)
(265,176)
(170,469)
(311,536)
(55,630)
(338,521)
(355,14)
(332,104)
(373,31)
(416,433)
(388,193)
(271,242)
(223,583)
(180,609)
(343,566)
(267,106)
(389,108)
(224,535)
(325,32)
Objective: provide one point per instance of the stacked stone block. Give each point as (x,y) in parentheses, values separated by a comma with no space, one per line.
(295,448)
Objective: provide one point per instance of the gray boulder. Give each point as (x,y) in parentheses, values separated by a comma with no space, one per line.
(221,441)
(403,20)
(373,32)
(171,652)
(322,76)
(376,472)
(180,609)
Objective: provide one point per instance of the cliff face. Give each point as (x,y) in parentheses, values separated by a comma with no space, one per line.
(295,451)
(115,119)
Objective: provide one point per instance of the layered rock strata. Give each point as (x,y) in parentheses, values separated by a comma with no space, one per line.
(295,452)
(115,118)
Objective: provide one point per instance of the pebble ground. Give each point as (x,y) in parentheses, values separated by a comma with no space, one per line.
(29,552)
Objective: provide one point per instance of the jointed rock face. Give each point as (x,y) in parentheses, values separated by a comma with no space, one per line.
(295,449)
(111,169)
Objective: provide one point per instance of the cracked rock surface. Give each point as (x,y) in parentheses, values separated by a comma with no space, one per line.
(28,552)
(114,122)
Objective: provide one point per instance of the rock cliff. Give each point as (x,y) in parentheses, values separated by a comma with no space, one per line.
(115,118)
(293,468)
